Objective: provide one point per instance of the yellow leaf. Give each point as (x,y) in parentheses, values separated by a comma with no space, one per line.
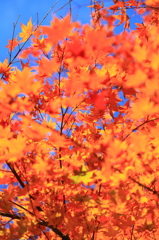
(143,199)
(151,2)
(4,67)
(2,174)
(82,176)
(135,80)
(40,165)
(27,30)
(112,70)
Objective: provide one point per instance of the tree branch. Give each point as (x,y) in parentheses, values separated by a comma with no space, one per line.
(10,215)
(16,175)
(40,222)
(144,186)
(134,129)
(140,184)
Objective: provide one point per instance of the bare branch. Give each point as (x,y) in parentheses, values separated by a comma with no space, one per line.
(134,129)
(14,26)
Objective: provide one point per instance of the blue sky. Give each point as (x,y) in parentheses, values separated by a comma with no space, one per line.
(29,8)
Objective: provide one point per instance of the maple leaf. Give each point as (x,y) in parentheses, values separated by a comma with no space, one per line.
(152,2)
(42,44)
(59,29)
(41,165)
(5,69)
(123,18)
(111,231)
(97,6)
(29,51)
(27,31)
(82,176)
(12,44)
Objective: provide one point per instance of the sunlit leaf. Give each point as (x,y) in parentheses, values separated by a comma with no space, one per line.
(27,30)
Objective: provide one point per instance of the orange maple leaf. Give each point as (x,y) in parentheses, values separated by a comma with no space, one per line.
(59,29)
(12,44)
(5,69)
(27,31)
(97,6)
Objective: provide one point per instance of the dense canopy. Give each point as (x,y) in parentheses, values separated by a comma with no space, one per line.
(79,123)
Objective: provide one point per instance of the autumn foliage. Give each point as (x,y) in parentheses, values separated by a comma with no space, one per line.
(79,128)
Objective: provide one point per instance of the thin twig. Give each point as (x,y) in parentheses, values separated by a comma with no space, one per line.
(22,207)
(136,7)
(16,175)
(32,34)
(132,230)
(62,6)
(91,5)
(73,112)
(71,127)
(145,187)
(14,26)
(5,171)
(37,19)
(94,232)
(140,184)
(136,128)
(61,128)
(20,48)
(70,10)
